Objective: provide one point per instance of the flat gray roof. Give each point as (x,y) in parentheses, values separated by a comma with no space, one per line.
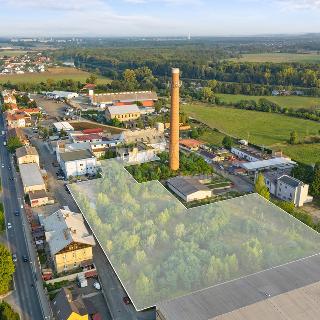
(30,174)
(187,185)
(233,295)
(274,162)
(290,181)
(114,110)
(76,155)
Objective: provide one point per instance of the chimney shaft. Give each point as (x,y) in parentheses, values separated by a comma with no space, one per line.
(174,120)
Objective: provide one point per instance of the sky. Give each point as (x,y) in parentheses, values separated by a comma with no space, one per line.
(158,17)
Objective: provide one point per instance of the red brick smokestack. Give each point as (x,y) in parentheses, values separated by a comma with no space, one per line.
(174,120)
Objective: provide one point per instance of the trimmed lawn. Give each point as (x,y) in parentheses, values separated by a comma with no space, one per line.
(55,74)
(293,102)
(279,57)
(268,129)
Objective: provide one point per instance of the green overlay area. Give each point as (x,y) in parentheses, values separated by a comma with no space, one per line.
(161,250)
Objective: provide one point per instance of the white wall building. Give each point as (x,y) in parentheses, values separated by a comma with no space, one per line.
(245,154)
(288,188)
(78,163)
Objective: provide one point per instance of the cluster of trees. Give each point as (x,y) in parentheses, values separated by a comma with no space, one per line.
(159,170)
(48,85)
(265,105)
(13,144)
(144,230)
(7,312)
(6,270)
(2,218)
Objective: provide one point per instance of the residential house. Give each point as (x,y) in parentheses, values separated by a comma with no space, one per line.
(17,119)
(39,198)
(31,176)
(139,153)
(77,163)
(287,188)
(249,154)
(27,154)
(67,306)
(68,239)
(123,113)
(190,144)
(8,97)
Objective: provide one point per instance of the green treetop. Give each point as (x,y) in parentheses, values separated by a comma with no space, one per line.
(261,188)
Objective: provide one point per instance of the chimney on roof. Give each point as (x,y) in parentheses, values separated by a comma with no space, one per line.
(174,120)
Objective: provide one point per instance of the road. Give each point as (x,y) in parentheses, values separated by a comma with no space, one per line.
(25,295)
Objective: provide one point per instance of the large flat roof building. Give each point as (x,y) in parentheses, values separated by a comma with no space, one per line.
(32,179)
(123,113)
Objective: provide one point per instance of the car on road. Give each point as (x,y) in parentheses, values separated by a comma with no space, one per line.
(17,213)
(25,258)
(14,258)
(126,300)
(2,166)
(9,225)
(97,285)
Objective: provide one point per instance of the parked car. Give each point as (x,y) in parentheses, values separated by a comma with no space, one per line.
(126,300)
(25,258)
(17,213)
(97,285)
(14,258)
(9,225)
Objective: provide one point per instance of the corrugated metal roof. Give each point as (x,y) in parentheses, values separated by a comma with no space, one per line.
(290,181)
(187,185)
(124,96)
(256,165)
(115,110)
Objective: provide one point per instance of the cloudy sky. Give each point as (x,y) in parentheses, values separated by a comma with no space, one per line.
(157,17)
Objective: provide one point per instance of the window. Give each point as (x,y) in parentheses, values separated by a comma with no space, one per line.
(75,264)
(65,267)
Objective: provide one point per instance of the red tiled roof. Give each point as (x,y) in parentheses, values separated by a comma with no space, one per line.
(93,130)
(33,110)
(85,137)
(190,143)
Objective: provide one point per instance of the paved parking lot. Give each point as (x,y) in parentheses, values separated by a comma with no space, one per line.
(53,108)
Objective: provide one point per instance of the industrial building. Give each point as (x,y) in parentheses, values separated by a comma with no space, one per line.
(123,113)
(287,188)
(146,98)
(138,153)
(31,176)
(68,240)
(63,125)
(77,163)
(27,154)
(189,188)
(279,163)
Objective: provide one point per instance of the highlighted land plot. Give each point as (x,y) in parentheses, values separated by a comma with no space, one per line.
(160,250)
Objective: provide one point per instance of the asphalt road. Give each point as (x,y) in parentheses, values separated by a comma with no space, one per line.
(25,294)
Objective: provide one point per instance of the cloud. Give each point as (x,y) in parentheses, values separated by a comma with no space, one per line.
(300,4)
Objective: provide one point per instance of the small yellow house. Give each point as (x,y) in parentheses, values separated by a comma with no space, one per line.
(27,154)
(65,306)
(123,113)
(69,241)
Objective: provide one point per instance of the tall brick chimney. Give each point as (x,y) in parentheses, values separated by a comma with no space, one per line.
(174,121)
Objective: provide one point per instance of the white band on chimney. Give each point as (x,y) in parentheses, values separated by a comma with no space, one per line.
(175,70)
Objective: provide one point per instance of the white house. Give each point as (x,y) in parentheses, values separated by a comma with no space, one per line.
(78,163)
(246,153)
(287,188)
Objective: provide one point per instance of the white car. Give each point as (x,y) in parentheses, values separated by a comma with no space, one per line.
(9,225)
(2,166)
(97,285)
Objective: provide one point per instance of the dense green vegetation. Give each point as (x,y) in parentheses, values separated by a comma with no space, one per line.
(190,164)
(2,218)
(13,144)
(7,312)
(145,230)
(6,270)
(310,57)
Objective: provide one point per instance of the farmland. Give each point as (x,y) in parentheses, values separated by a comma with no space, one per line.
(55,74)
(310,57)
(266,129)
(294,102)
(11,53)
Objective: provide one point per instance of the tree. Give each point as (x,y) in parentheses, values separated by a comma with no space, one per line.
(6,270)
(227,142)
(13,144)
(261,188)
(7,313)
(315,186)
(92,79)
(293,137)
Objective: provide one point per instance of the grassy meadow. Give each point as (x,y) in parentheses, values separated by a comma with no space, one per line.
(268,129)
(294,102)
(309,57)
(55,74)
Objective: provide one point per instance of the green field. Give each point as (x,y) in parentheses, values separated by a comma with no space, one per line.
(55,74)
(270,130)
(11,53)
(293,102)
(311,57)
